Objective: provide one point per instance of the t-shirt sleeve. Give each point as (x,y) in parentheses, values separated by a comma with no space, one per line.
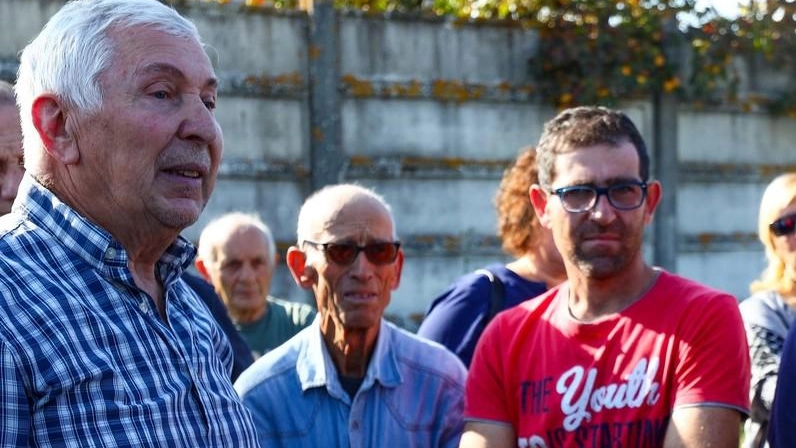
(486,398)
(714,366)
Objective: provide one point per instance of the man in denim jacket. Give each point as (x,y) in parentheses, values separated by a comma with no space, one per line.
(351,378)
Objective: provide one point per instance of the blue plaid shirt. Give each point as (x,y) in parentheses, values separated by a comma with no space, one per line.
(86,360)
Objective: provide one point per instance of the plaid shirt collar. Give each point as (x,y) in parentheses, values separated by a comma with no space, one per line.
(90,242)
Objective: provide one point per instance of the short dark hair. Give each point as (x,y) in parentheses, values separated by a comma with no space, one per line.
(585,126)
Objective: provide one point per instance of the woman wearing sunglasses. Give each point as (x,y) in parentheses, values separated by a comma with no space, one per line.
(770,311)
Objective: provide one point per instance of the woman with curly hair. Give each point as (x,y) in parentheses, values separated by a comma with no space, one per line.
(771,309)
(458,316)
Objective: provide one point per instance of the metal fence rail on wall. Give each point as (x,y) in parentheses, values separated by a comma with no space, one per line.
(429,112)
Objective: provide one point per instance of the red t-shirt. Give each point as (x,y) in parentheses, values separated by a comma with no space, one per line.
(615,381)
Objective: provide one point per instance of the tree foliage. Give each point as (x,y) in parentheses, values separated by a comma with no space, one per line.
(765,34)
(600,51)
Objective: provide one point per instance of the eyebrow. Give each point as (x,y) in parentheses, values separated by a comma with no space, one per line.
(163,68)
(606,182)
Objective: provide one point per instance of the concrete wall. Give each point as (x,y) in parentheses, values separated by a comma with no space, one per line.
(429,112)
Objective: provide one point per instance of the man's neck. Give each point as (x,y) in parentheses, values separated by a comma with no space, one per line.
(350,348)
(145,278)
(249,316)
(589,299)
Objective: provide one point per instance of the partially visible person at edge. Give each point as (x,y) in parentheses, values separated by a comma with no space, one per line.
(237,255)
(11,171)
(457,317)
(782,422)
(622,353)
(769,312)
(352,378)
(11,159)
(102,343)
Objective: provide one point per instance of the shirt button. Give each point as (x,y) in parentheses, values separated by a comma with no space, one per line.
(355,425)
(110,253)
(144,307)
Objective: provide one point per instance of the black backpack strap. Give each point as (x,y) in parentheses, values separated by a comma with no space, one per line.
(495,295)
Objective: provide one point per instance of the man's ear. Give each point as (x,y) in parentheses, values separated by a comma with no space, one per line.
(539,201)
(654,195)
(399,265)
(304,275)
(202,269)
(50,121)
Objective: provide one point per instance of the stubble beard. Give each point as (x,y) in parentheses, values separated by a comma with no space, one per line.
(599,267)
(604,264)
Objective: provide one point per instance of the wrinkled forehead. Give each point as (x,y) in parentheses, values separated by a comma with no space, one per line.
(359,219)
(147,50)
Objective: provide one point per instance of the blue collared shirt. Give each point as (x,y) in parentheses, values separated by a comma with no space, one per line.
(86,360)
(412,395)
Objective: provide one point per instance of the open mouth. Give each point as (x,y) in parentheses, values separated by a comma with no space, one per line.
(360,297)
(191,174)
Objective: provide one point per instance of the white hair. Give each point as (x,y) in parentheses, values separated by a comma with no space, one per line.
(222,226)
(73,49)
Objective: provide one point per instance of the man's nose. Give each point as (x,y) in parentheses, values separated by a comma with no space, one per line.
(200,123)
(361,267)
(603,211)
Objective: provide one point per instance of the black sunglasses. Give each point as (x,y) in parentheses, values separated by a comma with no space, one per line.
(783,226)
(344,254)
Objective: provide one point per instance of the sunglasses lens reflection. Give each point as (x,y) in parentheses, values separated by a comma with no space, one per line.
(342,253)
(381,253)
(784,226)
(377,253)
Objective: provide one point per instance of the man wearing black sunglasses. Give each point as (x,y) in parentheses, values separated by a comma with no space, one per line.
(352,378)
(622,353)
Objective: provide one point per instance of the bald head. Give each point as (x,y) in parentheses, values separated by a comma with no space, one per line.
(219,230)
(237,255)
(324,207)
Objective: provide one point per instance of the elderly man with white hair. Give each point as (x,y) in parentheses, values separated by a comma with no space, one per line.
(102,344)
(237,255)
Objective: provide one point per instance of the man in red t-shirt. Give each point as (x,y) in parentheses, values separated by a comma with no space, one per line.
(622,353)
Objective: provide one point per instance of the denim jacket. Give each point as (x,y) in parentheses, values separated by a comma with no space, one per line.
(412,395)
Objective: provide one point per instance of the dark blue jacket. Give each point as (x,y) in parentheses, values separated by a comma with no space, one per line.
(782,425)
(205,291)
(456,318)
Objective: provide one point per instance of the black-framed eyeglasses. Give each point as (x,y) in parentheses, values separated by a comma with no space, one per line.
(783,226)
(622,196)
(344,254)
